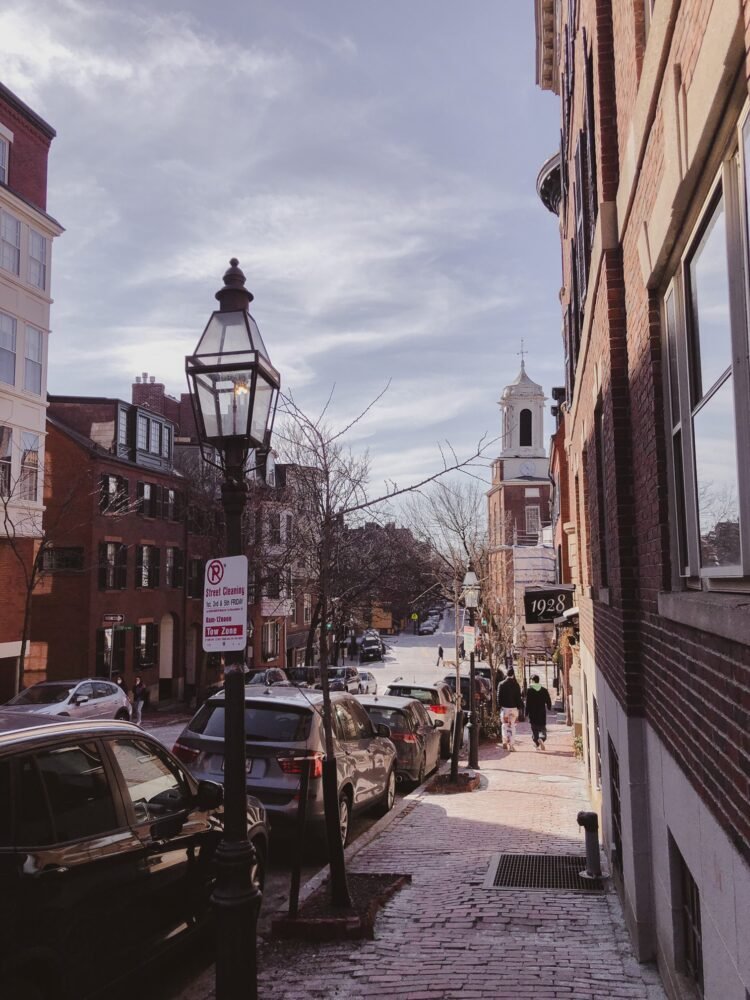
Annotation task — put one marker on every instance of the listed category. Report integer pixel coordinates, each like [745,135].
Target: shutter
[118,650]
[103,492]
[123,487]
[139,498]
[99,668]
[102,566]
[156,500]
[177,515]
[139,565]
[178,567]
[155,566]
[121,572]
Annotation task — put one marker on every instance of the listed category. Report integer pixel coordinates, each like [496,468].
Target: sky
[371,164]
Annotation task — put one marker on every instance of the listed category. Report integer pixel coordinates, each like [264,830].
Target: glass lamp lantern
[233,385]
[471,589]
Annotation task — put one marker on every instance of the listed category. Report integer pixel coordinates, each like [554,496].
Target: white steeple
[522,405]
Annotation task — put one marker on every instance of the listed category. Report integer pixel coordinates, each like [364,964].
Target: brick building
[26,234]
[651,190]
[518,516]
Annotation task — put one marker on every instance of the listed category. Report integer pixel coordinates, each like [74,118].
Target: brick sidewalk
[445,936]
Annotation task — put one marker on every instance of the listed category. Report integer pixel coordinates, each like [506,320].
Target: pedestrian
[120,683]
[537,703]
[509,702]
[461,652]
[139,699]
[440,656]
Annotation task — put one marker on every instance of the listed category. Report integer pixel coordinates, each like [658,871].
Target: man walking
[139,698]
[440,656]
[509,701]
[537,703]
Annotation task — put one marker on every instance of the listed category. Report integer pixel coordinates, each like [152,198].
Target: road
[409,657]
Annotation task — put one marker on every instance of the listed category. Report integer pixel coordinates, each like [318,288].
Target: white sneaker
[541,745]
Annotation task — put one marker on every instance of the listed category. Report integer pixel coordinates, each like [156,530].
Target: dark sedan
[107,850]
[415,735]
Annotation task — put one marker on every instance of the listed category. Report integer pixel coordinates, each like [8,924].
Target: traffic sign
[414,616]
[113,619]
[225,605]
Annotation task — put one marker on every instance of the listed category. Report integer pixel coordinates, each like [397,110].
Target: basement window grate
[542,872]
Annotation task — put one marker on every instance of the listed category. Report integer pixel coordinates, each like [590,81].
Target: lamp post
[233,389]
[471,602]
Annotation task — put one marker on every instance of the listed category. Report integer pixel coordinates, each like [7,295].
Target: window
[142,432]
[79,796]
[113,494]
[705,331]
[270,640]
[362,724]
[274,529]
[344,724]
[60,559]
[154,442]
[113,566]
[143,499]
[32,379]
[307,609]
[37,259]
[273,586]
[525,429]
[689,943]
[6,441]
[147,558]
[29,481]
[155,786]
[10,243]
[4,157]
[166,441]
[145,642]
[533,522]
[110,653]
[173,568]
[169,504]
[601,496]
[196,571]
[7,349]
[122,426]
[289,529]
[615,811]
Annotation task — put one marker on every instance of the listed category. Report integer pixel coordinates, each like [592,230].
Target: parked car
[304,676]
[368,683]
[426,628]
[107,851]
[437,699]
[414,732]
[284,728]
[268,677]
[482,688]
[89,698]
[371,648]
[486,672]
[342,679]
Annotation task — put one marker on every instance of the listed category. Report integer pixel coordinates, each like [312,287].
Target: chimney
[138,380]
[152,379]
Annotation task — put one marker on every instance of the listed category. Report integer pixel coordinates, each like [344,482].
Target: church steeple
[522,405]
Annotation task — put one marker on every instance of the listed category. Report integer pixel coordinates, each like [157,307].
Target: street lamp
[233,389]
[471,602]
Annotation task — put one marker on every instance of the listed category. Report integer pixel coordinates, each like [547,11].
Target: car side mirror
[382,730]
[80,699]
[210,795]
[437,723]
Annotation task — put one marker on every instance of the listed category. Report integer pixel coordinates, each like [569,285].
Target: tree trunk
[310,645]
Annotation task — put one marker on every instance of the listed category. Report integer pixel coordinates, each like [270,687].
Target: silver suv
[437,699]
[89,698]
[284,727]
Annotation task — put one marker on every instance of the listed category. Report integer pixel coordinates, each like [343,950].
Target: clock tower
[518,504]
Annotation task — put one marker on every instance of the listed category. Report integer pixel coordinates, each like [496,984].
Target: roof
[386,700]
[21,726]
[23,109]
[96,449]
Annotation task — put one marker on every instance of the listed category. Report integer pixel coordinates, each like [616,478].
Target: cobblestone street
[445,936]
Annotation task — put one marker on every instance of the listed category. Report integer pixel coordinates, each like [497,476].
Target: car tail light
[293,765]
[405,737]
[439,709]
[184,753]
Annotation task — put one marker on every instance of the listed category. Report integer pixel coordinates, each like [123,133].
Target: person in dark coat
[537,703]
[139,699]
[440,656]
[509,702]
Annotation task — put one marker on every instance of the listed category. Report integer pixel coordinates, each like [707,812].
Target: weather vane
[522,353]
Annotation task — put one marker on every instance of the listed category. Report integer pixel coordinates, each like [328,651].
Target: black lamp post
[234,389]
[471,602]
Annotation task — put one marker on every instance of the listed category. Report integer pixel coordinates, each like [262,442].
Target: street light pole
[474,731]
[233,389]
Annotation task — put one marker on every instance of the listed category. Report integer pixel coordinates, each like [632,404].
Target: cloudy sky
[371,164]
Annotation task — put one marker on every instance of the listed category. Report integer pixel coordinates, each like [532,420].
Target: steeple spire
[523,354]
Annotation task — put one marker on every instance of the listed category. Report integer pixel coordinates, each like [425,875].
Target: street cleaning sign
[469,639]
[225,605]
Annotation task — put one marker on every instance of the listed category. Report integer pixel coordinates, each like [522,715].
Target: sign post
[225,605]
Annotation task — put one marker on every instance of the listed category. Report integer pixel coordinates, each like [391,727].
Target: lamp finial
[234,296]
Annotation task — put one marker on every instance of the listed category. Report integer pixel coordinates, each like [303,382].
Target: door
[79,863]
[368,744]
[87,710]
[177,837]
[106,700]
[356,760]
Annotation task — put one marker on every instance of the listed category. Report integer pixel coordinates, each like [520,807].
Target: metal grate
[541,871]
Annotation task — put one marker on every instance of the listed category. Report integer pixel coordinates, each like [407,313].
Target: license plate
[249,764]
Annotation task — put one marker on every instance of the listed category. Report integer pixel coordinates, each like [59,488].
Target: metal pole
[304,789]
[474,731]
[236,896]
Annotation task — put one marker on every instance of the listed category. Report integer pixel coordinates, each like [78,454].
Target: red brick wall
[27,166]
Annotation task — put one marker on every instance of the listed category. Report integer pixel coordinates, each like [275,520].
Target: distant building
[26,235]
[518,516]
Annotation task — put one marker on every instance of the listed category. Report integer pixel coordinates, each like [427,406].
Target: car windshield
[303,674]
[426,695]
[340,672]
[43,694]
[267,722]
[258,678]
[394,718]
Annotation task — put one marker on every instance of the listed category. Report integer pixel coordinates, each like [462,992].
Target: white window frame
[687,570]
[536,511]
[10,243]
[270,641]
[6,461]
[34,365]
[29,468]
[8,335]
[4,159]
[307,609]
[37,264]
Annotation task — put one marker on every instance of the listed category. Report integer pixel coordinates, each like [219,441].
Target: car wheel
[123,715]
[389,796]
[344,818]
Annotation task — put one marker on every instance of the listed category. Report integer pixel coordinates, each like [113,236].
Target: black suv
[106,853]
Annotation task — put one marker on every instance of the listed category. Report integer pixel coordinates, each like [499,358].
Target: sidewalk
[445,936]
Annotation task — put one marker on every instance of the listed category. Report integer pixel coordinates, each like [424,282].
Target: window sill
[725,615]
